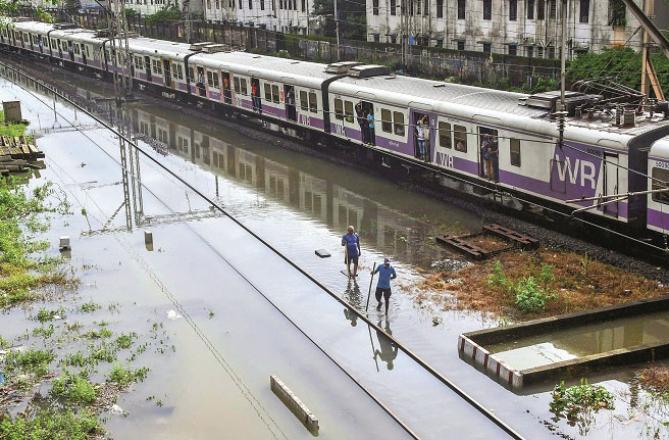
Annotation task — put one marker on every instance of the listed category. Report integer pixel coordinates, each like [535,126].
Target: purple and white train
[605,151]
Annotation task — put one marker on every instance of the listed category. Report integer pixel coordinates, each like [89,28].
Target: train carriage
[498,139]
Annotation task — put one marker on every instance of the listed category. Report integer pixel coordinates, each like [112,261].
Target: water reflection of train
[318,197]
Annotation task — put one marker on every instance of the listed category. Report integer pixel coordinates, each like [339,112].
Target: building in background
[149,7]
[516,27]
[290,16]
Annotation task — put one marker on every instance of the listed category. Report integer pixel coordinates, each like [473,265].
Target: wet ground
[298,204]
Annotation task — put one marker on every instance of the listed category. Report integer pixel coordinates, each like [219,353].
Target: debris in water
[172,315]
[436,321]
[116,410]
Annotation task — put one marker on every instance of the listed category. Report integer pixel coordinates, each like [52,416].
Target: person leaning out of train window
[370,122]
[362,121]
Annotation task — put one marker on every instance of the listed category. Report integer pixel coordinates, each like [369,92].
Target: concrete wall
[295,16]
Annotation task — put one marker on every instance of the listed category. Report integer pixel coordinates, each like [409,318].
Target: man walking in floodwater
[386,273]
[352,242]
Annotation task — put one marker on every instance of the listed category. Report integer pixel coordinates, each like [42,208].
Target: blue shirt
[352,242]
[386,273]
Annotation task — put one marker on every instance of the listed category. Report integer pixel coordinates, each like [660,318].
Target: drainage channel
[419,364]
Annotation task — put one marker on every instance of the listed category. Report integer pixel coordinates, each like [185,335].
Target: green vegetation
[530,293]
[73,389]
[618,64]
[89,307]
[48,424]
[45,315]
[10,129]
[102,333]
[31,361]
[570,402]
[45,332]
[168,13]
[125,341]
[125,376]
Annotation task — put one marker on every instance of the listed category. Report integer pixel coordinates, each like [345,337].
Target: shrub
[569,402]
[73,389]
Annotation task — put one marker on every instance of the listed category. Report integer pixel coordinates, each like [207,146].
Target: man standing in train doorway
[352,242]
[386,273]
[362,121]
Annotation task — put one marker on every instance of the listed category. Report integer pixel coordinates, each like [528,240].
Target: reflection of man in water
[387,349]
[354,297]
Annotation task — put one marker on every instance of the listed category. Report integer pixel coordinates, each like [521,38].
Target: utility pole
[562,108]
[647,70]
[336,15]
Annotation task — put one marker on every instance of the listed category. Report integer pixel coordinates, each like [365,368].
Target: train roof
[660,149]
[151,46]
[33,26]
[285,70]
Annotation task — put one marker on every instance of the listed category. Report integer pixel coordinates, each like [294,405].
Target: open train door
[610,184]
[168,74]
[423,126]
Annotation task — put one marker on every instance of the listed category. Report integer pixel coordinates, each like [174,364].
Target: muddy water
[300,204]
[543,349]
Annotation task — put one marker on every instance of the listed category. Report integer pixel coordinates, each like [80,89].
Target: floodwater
[575,342]
[299,204]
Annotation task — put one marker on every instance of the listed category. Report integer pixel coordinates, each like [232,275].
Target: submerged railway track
[485,414]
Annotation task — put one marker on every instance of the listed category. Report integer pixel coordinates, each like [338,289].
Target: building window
[393,39]
[461,9]
[513,10]
[540,52]
[584,11]
[304,5]
[250,4]
[426,8]
[513,49]
[377,38]
[399,123]
[440,8]
[375,7]
[617,13]
[487,9]
[208,4]
[460,138]
[660,181]
[445,135]
[551,52]
[541,7]
[530,51]
[393,7]
[439,43]
[514,152]
[530,9]
[461,45]
[486,48]
[262,5]
[552,9]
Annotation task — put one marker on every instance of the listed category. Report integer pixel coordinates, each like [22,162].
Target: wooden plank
[511,235]
[461,245]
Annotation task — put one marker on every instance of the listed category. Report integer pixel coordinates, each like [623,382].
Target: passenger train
[608,148]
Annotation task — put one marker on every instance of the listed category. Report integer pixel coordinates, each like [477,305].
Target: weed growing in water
[530,293]
[47,422]
[30,361]
[45,315]
[73,389]
[75,360]
[125,341]
[89,307]
[125,376]
[45,332]
[570,402]
[102,333]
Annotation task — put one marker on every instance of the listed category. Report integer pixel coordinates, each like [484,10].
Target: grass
[125,376]
[44,315]
[73,389]
[89,307]
[49,424]
[102,333]
[31,361]
[656,381]
[11,129]
[125,341]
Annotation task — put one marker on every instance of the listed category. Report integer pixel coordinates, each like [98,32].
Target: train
[612,160]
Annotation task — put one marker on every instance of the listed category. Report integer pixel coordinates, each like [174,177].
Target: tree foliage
[168,13]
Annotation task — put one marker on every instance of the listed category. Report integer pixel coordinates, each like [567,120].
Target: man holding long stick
[386,273]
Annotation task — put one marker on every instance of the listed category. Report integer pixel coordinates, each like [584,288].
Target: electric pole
[336,17]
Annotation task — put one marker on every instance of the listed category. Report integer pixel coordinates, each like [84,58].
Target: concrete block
[12,110]
[322,253]
[64,243]
[148,237]
[294,404]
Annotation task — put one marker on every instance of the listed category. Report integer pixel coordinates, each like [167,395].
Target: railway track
[448,386]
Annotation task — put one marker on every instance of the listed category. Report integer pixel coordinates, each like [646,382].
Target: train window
[212,79]
[339,109]
[178,70]
[245,90]
[386,121]
[660,181]
[268,93]
[399,123]
[275,94]
[77,48]
[313,102]
[235,81]
[348,111]
[514,152]
[138,63]
[460,138]
[445,140]
[304,103]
